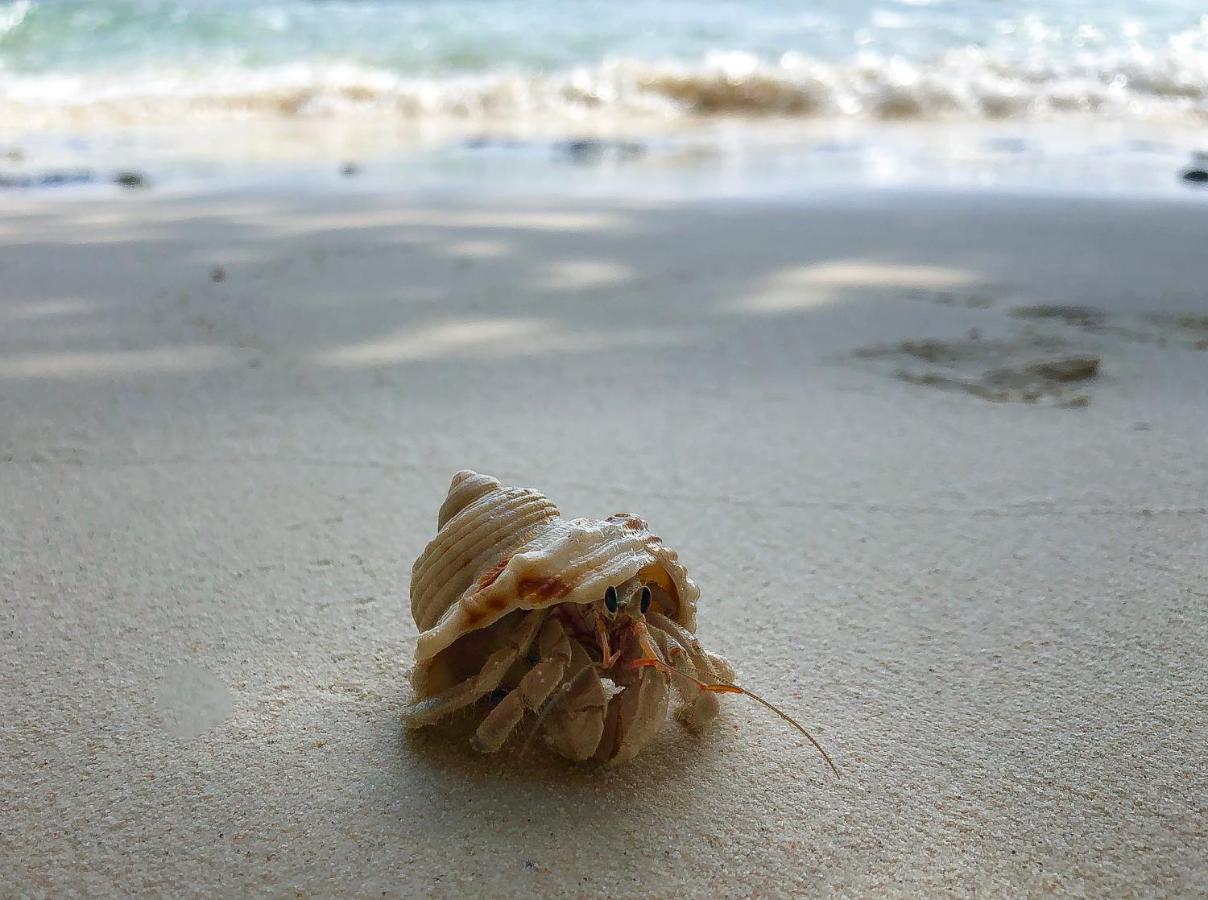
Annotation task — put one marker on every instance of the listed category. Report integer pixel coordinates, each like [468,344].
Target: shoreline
[737,158]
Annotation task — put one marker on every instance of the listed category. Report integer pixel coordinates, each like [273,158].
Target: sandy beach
[937,462]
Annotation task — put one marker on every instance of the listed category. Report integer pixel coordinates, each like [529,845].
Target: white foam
[1130,84]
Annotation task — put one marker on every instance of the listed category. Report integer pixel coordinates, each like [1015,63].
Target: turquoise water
[470,59]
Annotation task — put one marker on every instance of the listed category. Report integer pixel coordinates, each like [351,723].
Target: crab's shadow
[525,776]
[446,748]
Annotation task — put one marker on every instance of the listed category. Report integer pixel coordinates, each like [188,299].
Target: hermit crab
[589,624]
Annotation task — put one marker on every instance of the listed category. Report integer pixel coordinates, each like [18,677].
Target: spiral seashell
[501,549]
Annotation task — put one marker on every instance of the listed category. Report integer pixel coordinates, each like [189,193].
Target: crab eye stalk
[610,600]
[646,597]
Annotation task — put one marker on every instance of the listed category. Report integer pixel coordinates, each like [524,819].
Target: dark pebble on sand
[217,274]
[1196,176]
[130,179]
[349,169]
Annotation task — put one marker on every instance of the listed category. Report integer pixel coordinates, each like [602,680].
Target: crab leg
[697,708]
[576,716]
[706,661]
[532,690]
[709,666]
[430,709]
[635,714]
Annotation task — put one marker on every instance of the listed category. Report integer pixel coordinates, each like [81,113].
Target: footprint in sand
[1188,330]
[1080,316]
[1031,369]
[1034,365]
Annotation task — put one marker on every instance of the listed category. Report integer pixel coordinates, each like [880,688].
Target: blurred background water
[515,67]
[529,57]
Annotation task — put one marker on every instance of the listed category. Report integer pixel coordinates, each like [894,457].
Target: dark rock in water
[1196,176]
[349,169]
[130,179]
[583,150]
[591,150]
[217,274]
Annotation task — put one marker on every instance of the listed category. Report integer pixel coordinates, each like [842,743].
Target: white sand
[993,614]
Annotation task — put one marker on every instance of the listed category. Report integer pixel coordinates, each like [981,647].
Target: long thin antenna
[809,737]
[724,688]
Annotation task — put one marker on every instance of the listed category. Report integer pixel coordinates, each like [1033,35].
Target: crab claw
[607,656]
[634,716]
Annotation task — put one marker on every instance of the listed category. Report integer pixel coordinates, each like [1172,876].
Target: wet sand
[937,463]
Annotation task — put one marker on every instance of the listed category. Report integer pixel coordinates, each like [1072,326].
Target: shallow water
[138,60]
[716,98]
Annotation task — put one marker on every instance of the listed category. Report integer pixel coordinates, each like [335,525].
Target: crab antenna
[809,737]
[724,688]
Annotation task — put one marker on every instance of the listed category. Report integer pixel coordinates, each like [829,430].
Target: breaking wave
[965,84]
[163,60]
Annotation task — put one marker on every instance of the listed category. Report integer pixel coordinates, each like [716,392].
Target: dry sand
[966,544]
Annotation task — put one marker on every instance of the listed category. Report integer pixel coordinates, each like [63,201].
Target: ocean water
[72,62]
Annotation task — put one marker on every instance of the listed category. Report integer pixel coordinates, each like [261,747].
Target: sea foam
[962,84]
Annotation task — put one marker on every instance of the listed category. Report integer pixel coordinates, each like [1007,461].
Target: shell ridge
[475,518]
[501,549]
[493,525]
[461,564]
[465,487]
[480,609]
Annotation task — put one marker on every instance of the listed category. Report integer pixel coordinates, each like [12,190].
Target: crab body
[589,622]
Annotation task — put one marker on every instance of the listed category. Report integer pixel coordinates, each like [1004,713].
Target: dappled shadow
[321,285]
[352,296]
[403,320]
[235,471]
[676,778]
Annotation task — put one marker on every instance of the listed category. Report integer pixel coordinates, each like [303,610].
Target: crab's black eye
[610,599]
[646,595]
